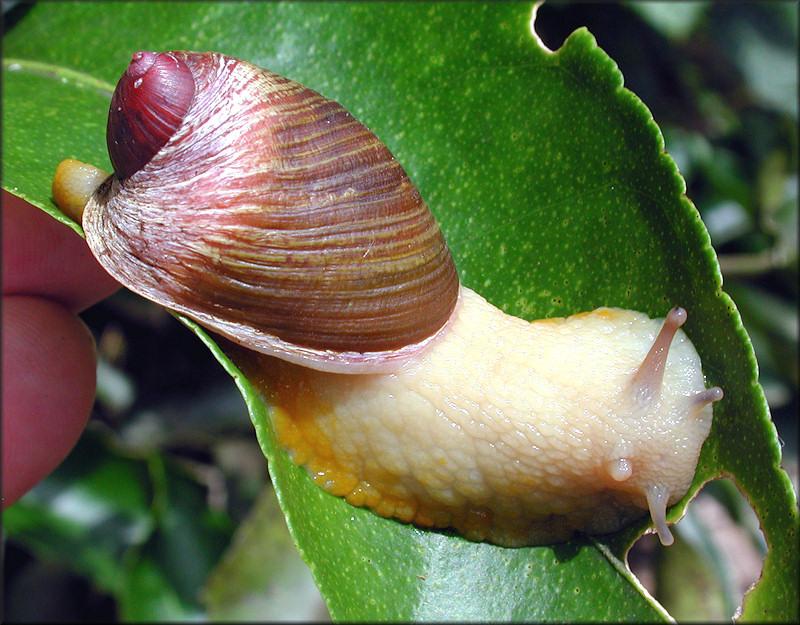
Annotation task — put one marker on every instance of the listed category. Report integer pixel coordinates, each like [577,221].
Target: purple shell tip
[140,62]
[148,106]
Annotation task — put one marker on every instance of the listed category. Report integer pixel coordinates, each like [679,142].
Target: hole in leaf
[717,555]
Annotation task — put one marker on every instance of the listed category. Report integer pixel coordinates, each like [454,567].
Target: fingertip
[48,369]
[43,257]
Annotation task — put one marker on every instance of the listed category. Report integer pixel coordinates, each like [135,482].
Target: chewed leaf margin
[309,510]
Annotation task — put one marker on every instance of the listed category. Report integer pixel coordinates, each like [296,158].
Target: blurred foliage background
[143,519]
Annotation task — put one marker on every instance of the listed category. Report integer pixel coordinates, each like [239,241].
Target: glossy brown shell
[275,218]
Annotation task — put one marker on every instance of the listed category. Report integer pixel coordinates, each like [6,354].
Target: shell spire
[148,106]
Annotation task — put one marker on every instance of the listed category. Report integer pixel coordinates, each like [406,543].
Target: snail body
[268,214]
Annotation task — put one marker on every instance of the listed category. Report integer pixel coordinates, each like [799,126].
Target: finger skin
[48,368]
[48,355]
[45,258]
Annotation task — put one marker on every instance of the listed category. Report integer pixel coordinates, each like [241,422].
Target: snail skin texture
[268,214]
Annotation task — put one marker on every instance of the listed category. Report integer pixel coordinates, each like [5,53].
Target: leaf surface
[551,185]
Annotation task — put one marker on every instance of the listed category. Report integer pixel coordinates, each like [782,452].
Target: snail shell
[268,214]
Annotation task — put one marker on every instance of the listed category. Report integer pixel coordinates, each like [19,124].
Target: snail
[268,214]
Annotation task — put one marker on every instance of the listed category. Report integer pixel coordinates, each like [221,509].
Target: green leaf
[550,182]
[87,513]
[129,523]
[262,577]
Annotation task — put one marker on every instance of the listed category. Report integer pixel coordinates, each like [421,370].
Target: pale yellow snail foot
[514,432]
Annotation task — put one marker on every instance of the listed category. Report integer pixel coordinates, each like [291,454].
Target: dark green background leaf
[142,543]
[551,185]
